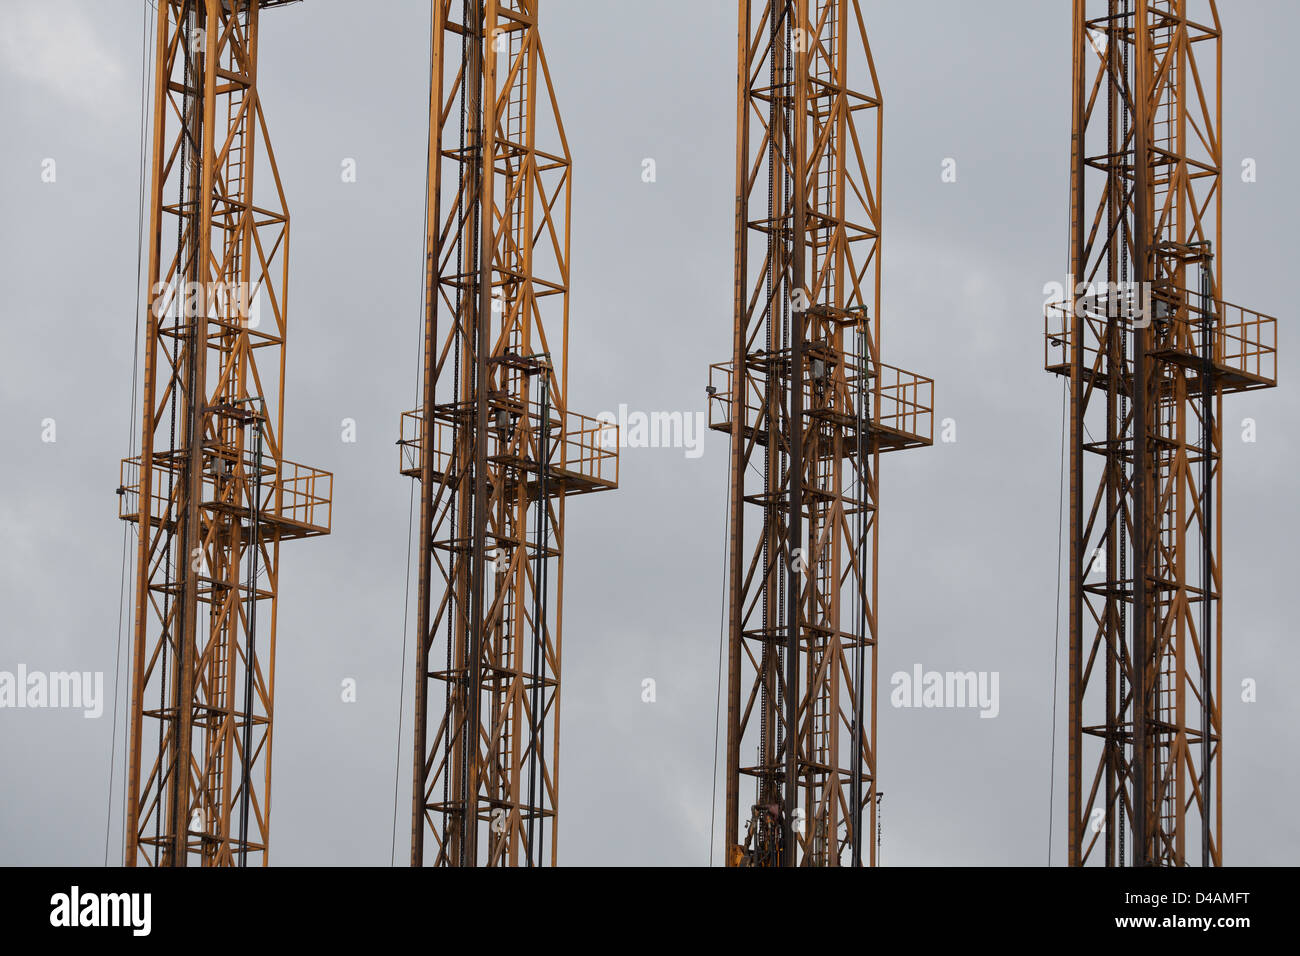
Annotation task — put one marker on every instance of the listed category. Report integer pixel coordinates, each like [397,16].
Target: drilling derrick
[211,494]
[1148,348]
[809,408]
[494,445]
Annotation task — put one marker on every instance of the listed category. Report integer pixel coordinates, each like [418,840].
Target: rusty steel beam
[211,494]
[1149,348]
[494,445]
[809,408]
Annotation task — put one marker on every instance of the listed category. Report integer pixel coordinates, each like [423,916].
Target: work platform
[296,499]
[899,410]
[1244,342]
[582,457]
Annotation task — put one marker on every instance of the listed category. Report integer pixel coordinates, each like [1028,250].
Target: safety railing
[1246,343]
[898,401]
[905,403]
[303,495]
[719,393]
[1244,349]
[590,448]
[294,494]
[585,448]
[1056,336]
[411,445]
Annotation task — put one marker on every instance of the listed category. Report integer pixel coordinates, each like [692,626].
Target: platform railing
[1244,341]
[586,447]
[295,494]
[898,401]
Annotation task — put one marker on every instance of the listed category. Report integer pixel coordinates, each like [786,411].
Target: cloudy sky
[968,528]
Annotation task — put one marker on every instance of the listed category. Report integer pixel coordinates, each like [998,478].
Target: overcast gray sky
[968,529]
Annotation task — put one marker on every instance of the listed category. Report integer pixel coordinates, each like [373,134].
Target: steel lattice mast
[211,493]
[494,445]
[1149,349]
[810,408]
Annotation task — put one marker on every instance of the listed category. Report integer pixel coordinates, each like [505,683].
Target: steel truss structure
[211,494]
[1149,349]
[494,445]
[809,407]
